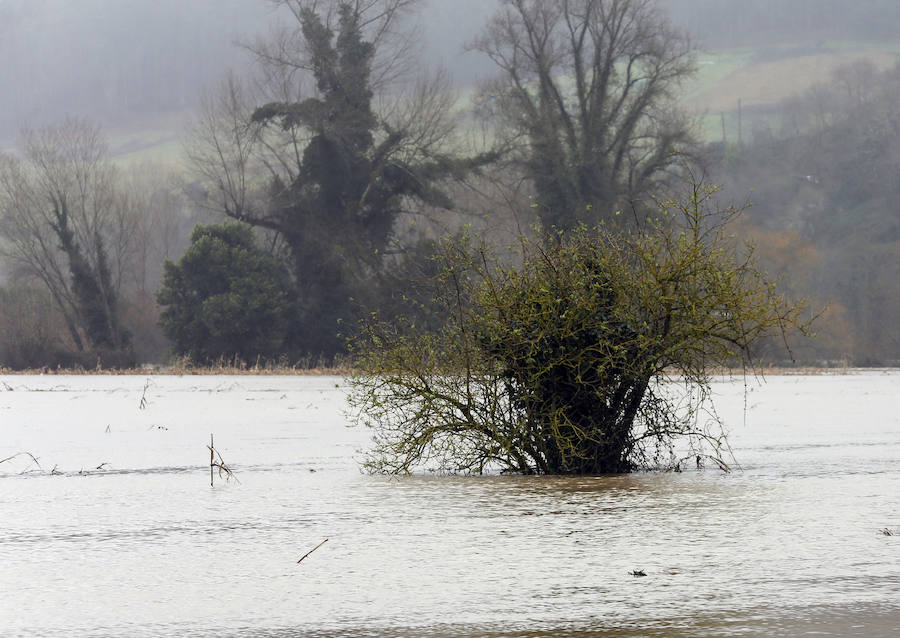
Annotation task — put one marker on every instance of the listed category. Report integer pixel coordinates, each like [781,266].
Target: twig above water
[216,462]
[28,454]
[143,403]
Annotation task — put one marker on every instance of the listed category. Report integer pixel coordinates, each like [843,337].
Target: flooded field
[117,532]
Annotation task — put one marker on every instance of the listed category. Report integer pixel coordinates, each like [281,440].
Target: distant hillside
[759,77]
[138,68]
[719,24]
[762,78]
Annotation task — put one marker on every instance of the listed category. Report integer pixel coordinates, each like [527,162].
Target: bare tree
[586,99]
[163,214]
[328,146]
[66,224]
[381,23]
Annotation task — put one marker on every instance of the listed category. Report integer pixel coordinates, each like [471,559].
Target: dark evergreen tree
[226,298]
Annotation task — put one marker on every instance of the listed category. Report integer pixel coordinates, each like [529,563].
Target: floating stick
[28,454]
[312,550]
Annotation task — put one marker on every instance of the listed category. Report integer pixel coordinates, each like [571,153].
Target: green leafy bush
[569,363]
[226,298]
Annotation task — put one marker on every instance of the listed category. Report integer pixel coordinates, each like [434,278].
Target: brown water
[791,545]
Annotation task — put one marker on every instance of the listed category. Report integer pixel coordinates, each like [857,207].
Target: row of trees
[552,360]
[348,160]
[826,212]
[340,143]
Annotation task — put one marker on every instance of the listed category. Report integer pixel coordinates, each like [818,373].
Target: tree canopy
[225,298]
[586,100]
[321,166]
[570,363]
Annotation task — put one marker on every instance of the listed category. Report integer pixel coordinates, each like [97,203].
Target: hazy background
[770,99]
[135,62]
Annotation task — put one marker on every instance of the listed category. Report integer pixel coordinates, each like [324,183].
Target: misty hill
[133,62]
[114,62]
[721,24]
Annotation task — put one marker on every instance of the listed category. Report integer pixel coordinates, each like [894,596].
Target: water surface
[790,545]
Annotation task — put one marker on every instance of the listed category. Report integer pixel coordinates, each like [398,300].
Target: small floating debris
[888,532]
[638,572]
[100,468]
[312,550]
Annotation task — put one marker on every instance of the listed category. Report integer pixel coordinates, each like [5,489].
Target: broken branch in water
[217,462]
[143,404]
[312,550]
[28,454]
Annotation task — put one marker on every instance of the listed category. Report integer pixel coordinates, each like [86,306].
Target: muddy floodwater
[118,532]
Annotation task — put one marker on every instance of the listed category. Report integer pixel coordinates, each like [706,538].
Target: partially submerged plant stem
[17,454]
[216,462]
[28,454]
[143,403]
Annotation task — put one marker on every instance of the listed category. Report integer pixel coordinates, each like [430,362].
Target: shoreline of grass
[344,369]
[335,368]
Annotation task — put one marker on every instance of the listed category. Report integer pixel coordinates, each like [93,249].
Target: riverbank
[334,368]
[345,368]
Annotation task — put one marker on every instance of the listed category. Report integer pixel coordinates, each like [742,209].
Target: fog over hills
[125,61]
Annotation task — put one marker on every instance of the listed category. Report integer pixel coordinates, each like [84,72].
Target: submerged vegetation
[571,362]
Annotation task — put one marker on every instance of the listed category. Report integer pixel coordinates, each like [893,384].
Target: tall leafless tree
[586,100]
[66,223]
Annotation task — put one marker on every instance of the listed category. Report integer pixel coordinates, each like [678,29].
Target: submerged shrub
[566,363]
